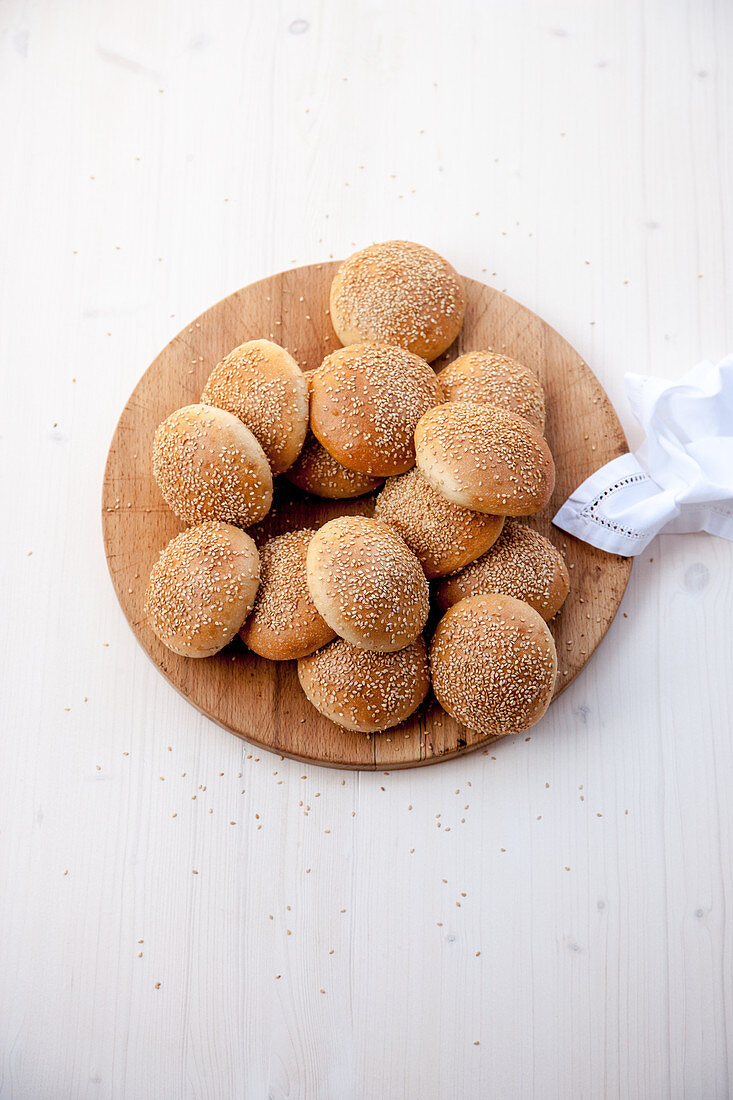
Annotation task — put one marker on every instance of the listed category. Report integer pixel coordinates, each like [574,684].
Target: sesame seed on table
[588,957]
[266,706]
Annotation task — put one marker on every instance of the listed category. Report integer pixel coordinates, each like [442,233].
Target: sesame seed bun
[521,563]
[489,378]
[261,384]
[493,664]
[202,588]
[366,401]
[442,536]
[485,458]
[400,293]
[316,471]
[284,623]
[366,583]
[362,690]
[208,465]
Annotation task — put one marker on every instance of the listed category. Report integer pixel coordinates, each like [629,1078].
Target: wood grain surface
[160,154]
[261,700]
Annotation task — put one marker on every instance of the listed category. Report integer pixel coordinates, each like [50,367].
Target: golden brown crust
[442,536]
[366,401]
[398,292]
[493,664]
[316,471]
[202,588]
[362,690]
[366,583]
[485,458]
[261,384]
[284,623]
[490,378]
[521,563]
[208,465]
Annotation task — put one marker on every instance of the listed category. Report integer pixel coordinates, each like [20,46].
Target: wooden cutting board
[261,700]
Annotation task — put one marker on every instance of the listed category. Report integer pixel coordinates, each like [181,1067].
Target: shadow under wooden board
[261,700]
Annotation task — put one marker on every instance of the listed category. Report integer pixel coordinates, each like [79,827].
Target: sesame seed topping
[261,384]
[284,623]
[208,466]
[363,690]
[485,458]
[202,588]
[493,664]
[398,292]
[366,401]
[367,584]
[521,563]
[443,536]
[490,378]
[316,471]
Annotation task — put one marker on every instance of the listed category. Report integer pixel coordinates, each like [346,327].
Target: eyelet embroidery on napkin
[589,512]
[687,462]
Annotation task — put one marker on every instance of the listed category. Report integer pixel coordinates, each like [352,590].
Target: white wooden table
[174,921]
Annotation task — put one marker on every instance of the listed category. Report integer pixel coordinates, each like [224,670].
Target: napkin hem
[580,515]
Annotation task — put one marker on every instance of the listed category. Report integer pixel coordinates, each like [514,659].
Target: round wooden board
[261,700]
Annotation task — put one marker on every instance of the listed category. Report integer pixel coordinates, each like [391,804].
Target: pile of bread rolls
[456,457]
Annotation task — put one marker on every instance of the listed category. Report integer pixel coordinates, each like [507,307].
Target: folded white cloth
[680,479]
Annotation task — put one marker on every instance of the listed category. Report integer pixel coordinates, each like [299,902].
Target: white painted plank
[581,153]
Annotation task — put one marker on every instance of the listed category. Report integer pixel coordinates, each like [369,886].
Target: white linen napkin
[680,479]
